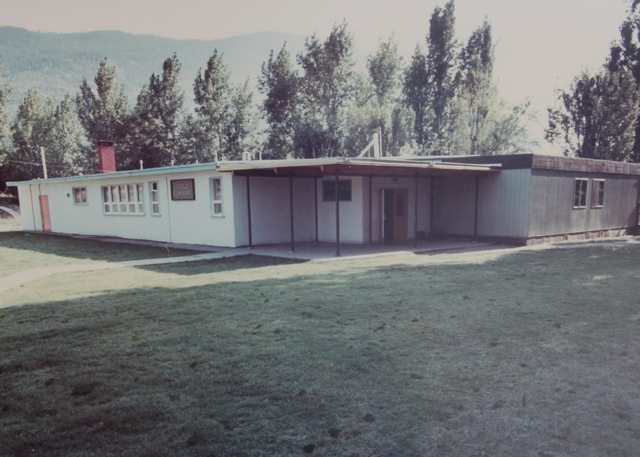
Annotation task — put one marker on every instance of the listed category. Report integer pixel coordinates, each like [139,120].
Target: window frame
[344,193]
[123,199]
[216,196]
[597,193]
[154,198]
[579,194]
[84,200]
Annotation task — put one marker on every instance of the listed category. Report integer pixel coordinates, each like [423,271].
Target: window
[580,193]
[123,199]
[329,190]
[216,197]
[154,198]
[79,195]
[597,193]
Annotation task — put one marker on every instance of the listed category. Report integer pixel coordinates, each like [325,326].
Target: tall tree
[441,60]
[384,70]
[476,92]
[242,123]
[597,117]
[67,148]
[417,96]
[30,131]
[325,90]
[278,82]
[155,129]
[212,91]
[103,111]
[5,92]
[625,55]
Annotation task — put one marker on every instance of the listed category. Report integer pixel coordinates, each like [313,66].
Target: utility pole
[44,163]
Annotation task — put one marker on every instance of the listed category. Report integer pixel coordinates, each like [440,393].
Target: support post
[370,210]
[337,214]
[315,203]
[415,215]
[293,247]
[477,204]
[249,211]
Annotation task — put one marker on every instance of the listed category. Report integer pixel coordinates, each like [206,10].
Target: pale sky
[540,44]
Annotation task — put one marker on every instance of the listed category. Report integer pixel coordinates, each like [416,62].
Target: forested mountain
[56,63]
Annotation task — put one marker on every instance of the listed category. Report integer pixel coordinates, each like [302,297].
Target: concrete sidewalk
[24,277]
[312,251]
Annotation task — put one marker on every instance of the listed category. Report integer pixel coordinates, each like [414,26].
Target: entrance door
[394,209]
[44,212]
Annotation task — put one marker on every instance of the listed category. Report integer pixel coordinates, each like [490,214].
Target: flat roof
[346,166]
[354,166]
[212,166]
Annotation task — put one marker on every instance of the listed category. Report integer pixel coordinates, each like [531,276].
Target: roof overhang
[344,166]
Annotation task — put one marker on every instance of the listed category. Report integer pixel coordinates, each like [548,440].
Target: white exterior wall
[352,214]
[271,210]
[190,222]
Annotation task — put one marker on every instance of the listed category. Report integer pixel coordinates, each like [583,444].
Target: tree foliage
[5,92]
[441,64]
[154,130]
[29,132]
[103,112]
[278,82]
[443,101]
[325,91]
[597,117]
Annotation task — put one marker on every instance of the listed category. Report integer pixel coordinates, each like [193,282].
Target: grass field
[506,353]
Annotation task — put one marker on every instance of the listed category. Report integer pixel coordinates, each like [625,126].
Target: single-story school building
[518,199]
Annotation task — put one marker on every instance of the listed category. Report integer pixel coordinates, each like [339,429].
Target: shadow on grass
[403,360]
[84,249]
[240,262]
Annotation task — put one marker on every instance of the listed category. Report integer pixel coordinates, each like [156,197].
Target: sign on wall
[183,189]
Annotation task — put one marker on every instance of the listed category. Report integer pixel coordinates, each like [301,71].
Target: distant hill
[56,63]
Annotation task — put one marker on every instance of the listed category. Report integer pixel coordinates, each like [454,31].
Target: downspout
[166,180]
[33,213]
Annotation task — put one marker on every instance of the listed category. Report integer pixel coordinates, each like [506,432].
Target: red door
[44,212]
[400,206]
[395,219]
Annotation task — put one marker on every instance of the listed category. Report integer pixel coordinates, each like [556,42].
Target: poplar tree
[105,110]
[278,82]
[384,70]
[29,132]
[5,92]
[212,96]
[155,128]
[476,92]
[66,146]
[326,87]
[441,61]
[239,129]
[417,96]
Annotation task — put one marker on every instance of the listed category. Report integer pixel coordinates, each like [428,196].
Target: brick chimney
[107,156]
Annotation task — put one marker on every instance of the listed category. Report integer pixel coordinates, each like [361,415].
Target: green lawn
[523,353]
[21,251]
